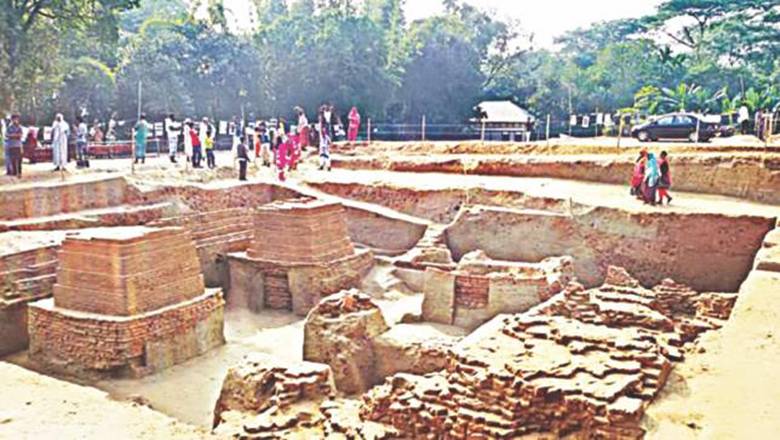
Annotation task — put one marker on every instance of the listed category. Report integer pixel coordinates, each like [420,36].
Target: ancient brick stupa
[301,252]
[128,301]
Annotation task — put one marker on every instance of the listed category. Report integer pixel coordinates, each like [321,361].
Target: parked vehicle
[690,126]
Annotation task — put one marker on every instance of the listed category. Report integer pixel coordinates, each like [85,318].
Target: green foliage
[78,56]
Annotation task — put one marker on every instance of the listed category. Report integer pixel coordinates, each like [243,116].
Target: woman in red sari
[354,124]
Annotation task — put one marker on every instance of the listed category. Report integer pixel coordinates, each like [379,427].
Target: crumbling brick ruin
[127,301]
[480,288]
[300,253]
[586,362]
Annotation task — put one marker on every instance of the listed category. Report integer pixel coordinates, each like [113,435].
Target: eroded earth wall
[709,252]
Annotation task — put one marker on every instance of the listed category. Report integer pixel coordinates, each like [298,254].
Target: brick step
[36,284]
[224,230]
[239,236]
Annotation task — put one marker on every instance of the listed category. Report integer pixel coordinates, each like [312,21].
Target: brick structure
[127,301]
[584,364]
[300,253]
[306,231]
[480,288]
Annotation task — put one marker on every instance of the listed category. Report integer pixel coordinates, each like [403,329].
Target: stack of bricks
[128,299]
[586,362]
[216,233]
[127,271]
[471,291]
[27,275]
[300,252]
[307,231]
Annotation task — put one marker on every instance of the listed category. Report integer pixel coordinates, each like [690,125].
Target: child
[282,154]
[665,182]
[210,160]
[242,155]
[324,148]
[196,147]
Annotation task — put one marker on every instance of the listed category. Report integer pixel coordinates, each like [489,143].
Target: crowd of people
[652,178]
[271,143]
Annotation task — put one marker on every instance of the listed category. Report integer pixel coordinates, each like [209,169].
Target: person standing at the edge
[141,135]
[744,119]
[13,147]
[354,124]
[172,133]
[60,131]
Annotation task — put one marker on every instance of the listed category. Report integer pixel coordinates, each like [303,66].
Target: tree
[25,20]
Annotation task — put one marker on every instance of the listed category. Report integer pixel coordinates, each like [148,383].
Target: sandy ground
[38,407]
[188,392]
[730,390]
[588,193]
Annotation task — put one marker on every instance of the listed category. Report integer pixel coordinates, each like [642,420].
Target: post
[368,133]
[620,129]
[483,131]
[423,128]
[547,131]
[138,118]
[698,126]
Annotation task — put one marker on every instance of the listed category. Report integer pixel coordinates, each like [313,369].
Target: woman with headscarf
[652,176]
[141,135]
[59,142]
[639,174]
[354,124]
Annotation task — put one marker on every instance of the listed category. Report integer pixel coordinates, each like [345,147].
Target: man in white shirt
[172,133]
[744,119]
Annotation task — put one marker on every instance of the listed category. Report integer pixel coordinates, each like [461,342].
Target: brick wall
[301,231]
[471,291]
[97,343]
[124,276]
[46,199]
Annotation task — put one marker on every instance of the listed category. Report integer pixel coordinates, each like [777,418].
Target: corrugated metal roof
[504,112]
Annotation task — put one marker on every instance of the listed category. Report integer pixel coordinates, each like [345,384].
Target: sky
[546,19]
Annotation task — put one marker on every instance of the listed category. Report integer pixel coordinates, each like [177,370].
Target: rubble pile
[339,332]
[586,362]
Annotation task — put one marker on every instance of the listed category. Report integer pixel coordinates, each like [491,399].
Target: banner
[573,120]
[599,118]
[585,121]
[47,133]
[223,127]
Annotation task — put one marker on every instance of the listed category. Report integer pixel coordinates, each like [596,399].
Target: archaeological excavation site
[417,291]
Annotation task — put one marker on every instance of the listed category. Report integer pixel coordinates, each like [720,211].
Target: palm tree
[689,97]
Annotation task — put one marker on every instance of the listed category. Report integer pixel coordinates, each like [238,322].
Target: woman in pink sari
[354,124]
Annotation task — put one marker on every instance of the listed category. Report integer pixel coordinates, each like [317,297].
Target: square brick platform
[128,301]
[300,253]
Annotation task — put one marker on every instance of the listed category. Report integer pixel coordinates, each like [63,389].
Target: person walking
[665,181]
[141,136]
[13,146]
[652,175]
[354,124]
[303,128]
[172,133]
[744,119]
[639,174]
[81,143]
[60,132]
